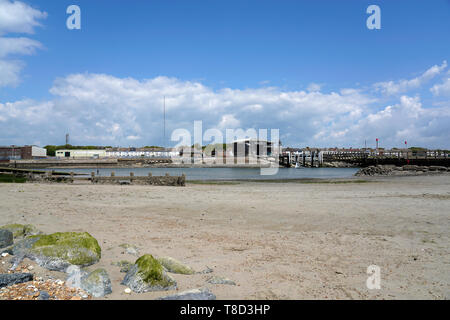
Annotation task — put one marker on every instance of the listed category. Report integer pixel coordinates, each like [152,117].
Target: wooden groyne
[166,180]
[71,177]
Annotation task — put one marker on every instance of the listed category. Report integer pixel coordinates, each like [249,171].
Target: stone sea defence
[23,248]
[406,170]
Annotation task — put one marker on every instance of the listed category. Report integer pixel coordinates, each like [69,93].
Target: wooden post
[167,174]
[150,174]
[113,174]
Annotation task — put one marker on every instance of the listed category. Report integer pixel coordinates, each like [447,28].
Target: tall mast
[164,116]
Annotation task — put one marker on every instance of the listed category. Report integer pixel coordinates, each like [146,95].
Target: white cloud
[228,121]
[9,72]
[441,89]
[16,17]
[401,86]
[22,46]
[408,120]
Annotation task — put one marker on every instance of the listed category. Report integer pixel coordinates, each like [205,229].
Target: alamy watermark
[374,279]
[374,20]
[259,148]
[74,20]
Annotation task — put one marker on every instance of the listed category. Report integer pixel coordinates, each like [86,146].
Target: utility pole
[164,122]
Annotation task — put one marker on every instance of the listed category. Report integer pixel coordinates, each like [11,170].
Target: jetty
[364,158]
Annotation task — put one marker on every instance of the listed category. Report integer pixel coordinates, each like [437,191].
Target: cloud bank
[107,110]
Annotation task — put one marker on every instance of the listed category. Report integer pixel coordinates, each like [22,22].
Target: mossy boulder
[175,266]
[21,230]
[59,250]
[147,274]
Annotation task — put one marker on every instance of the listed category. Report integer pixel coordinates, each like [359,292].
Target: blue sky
[311,68]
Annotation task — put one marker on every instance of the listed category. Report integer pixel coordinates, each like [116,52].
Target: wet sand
[275,240]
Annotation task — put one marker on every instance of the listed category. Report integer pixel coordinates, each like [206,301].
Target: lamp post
[406,144]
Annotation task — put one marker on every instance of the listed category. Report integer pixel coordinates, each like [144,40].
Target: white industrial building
[121,153]
[77,153]
[141,154]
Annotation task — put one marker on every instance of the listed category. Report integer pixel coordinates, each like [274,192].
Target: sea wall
[392,170]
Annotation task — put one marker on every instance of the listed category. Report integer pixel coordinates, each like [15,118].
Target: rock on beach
[147,274]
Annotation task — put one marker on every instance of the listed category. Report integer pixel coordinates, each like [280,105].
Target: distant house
[22,153]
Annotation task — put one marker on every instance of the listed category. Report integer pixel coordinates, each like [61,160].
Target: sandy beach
[275,240]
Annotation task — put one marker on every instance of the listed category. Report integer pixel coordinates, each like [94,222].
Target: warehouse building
[22,153]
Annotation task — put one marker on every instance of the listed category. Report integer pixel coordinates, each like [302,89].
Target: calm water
[222,173]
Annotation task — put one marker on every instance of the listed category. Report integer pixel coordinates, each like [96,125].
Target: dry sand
[275,240]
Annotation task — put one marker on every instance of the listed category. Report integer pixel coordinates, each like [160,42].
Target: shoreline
[274,240]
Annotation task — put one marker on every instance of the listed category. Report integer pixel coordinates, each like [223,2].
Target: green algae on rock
[147,274]
[175,266]
[59,250]
[21,230]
